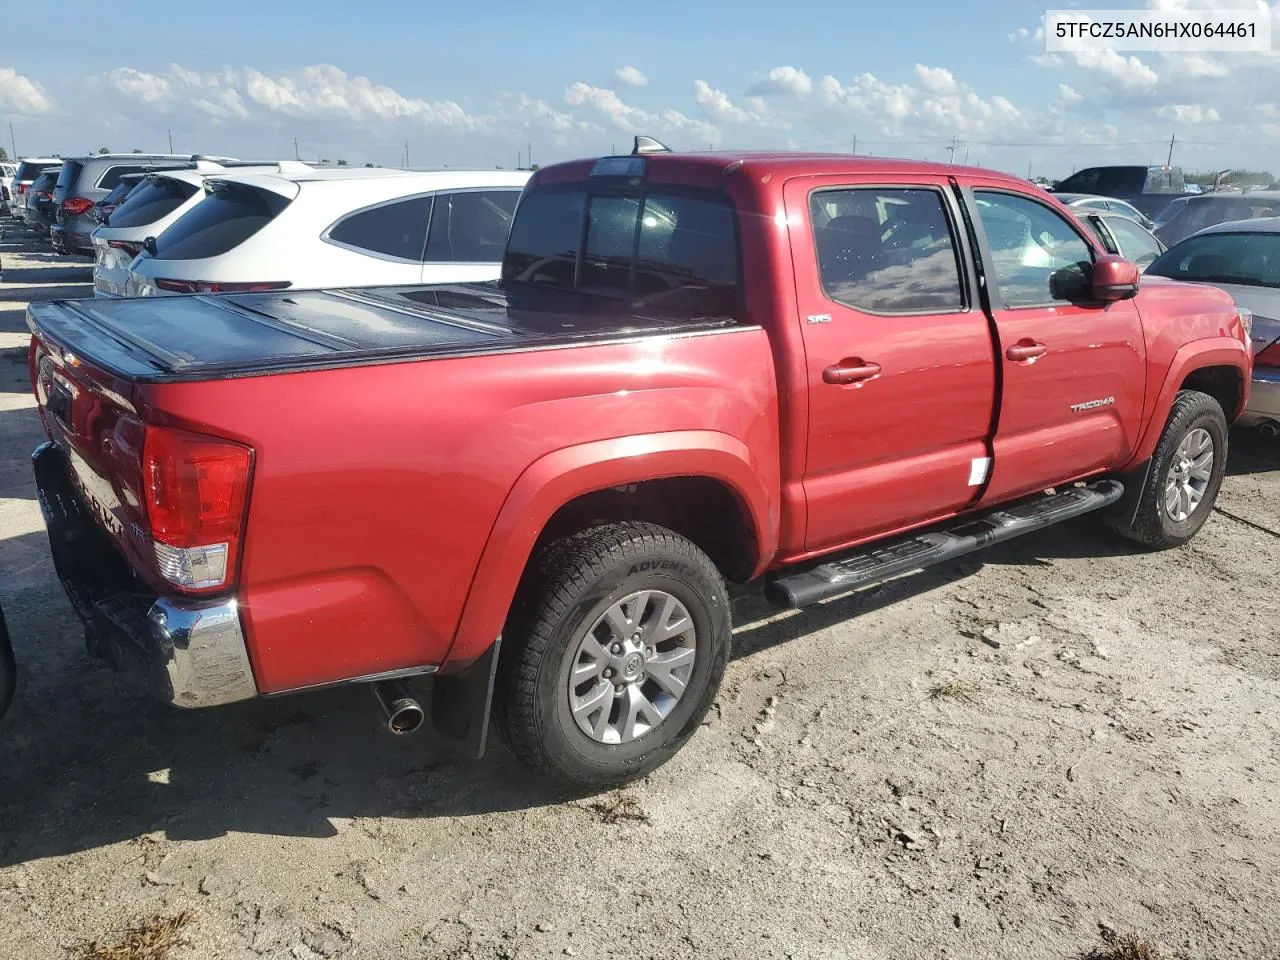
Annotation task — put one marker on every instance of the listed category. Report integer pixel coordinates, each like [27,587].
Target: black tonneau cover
[156,339]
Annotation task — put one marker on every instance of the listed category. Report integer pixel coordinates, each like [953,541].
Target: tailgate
[90,414]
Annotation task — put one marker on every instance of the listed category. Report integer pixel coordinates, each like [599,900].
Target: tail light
[19,188]
[203,286]
[197,491]
[76,206]
[128,246]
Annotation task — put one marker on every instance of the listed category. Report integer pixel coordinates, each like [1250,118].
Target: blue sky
[473,83]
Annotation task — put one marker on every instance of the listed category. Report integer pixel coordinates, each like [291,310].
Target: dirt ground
[877,779]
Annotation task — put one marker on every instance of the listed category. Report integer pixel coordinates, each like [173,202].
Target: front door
[1073,376]
[899,357]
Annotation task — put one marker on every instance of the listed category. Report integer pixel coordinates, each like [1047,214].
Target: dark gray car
[83,181]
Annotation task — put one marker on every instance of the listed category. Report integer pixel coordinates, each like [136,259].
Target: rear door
[901,378]
[468,235]
[1072,373]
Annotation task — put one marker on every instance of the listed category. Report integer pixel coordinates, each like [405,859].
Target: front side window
[396,230]
[886,250]
[1037,256]
[471,227]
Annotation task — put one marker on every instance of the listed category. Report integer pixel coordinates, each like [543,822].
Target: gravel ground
[878,779]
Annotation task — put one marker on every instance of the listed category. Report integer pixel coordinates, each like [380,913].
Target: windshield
[1252,259]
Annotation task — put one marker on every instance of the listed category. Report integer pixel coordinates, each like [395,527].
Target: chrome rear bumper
[185,652]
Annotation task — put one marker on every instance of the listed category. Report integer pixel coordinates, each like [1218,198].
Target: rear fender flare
[1213,352]
[560,477]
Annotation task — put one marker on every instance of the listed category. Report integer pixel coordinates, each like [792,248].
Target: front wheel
[1185,474]
[613,654]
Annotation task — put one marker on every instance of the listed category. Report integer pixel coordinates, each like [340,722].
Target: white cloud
[325,90]
[1129,72]
[631,76]
[222,105]
[630,119]
[1189,113]
[146,87]
[785,81]
[1068,95]
[718,104]
[936,79]
[22,95]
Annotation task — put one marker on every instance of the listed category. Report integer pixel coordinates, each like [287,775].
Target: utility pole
[1028,169]
[855,144]
[518,156]
[170,141]
[13,142]
[295,149]
[951,151]
[528,154]
[406,153]
[1171,140]
[966,156]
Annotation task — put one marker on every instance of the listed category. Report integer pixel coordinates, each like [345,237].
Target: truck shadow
[87,761]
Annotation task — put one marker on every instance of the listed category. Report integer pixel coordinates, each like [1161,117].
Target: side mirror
[1114,278]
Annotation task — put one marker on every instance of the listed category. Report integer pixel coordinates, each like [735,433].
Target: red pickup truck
[815,371]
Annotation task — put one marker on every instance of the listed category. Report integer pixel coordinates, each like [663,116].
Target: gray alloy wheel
[1190,471]
[632,667]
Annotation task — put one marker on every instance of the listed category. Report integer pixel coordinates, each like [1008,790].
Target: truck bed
[166,339]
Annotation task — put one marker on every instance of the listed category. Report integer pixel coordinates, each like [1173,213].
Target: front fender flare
[563,475]
[1212,352]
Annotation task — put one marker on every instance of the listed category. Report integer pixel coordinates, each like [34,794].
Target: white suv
[333,227]
[158,201]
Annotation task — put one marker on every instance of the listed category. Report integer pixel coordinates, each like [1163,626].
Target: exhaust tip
[404,713]
[1270,429]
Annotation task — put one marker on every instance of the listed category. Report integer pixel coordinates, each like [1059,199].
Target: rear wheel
[613,654]
[1185,474]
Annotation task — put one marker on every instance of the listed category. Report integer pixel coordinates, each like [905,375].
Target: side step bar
[883,561]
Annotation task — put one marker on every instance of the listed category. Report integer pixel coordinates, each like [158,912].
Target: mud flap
[461,702]
[1125,510]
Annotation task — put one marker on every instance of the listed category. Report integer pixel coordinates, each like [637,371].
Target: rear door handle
[852,370]
[1026,350]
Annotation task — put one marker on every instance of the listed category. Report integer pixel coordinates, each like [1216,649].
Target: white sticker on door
[978,468]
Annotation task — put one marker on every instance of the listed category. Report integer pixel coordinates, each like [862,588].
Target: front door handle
[1026,350]
[852,370]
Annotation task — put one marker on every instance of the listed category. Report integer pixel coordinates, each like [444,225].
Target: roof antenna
[648,145]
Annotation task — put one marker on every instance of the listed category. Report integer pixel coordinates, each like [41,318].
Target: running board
[892,558]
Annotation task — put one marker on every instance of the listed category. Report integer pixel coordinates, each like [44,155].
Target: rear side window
[113,174]
[220,222]
[886,251]
[471,227]
[396,229]
[154,198]
[677,251]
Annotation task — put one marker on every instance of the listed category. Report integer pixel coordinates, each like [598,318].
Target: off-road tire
[1151,523]
[569,586]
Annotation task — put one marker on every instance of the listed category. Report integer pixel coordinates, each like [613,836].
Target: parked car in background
[83,181]
[1195,213]
[7,171]
[1126,237]
[39,210]
[333,227]
[1147,188]
[160,200]
[23,177]
[694,369]
[1242,258]
[1081,203]
[103,208]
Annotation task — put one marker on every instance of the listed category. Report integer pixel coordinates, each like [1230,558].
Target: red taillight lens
[19,188]
[75,206]
[204,286]
[196,489]
[128,246]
